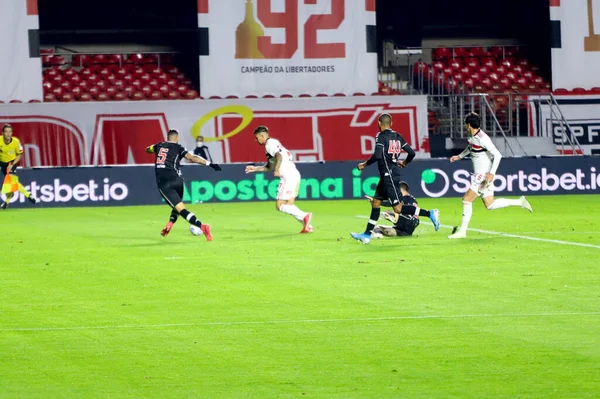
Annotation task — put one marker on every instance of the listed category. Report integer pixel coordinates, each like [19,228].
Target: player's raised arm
[460,156]
[263,168]
[199,160]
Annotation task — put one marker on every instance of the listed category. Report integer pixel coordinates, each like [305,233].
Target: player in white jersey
[486,159]
[280,161]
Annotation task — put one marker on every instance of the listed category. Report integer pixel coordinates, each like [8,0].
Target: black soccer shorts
[171,190]
[4,167]
[388,189]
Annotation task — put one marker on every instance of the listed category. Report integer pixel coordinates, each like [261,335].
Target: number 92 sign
[276,47]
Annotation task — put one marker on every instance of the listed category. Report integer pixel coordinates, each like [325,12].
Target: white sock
[294,211]
[466,216]
[503,203]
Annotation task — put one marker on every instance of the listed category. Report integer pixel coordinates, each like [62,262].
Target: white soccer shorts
[288,186]
[481,187]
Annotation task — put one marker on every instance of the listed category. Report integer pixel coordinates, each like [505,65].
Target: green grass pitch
[95,304]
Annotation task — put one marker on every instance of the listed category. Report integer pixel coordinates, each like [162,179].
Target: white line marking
[174,257]
[497,233]
[302,321]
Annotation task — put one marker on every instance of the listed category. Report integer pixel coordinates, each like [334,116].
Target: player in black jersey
[405,223]
[388,147]
[169,181]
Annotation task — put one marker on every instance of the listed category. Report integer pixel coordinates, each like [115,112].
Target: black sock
[372,220]
[411,210]
[173,217]
[191,218]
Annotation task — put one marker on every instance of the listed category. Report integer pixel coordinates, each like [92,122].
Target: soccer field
[95,303]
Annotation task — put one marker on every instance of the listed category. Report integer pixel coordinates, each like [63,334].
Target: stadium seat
[49,97]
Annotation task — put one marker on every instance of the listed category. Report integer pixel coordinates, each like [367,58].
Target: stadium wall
[135,185]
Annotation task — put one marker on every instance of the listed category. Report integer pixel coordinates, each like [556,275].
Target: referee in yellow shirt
[11,151]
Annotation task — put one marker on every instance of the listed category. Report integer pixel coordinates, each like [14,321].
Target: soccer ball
[195,230]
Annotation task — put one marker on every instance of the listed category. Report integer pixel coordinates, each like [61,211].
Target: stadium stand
[113,77]
[127,77]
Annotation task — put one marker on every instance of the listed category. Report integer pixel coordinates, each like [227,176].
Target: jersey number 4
[395,147]
[162,156]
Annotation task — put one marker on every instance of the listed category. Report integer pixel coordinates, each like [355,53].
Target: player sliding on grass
[405,223]
[169,181]
[486,159]
[388,146]
[279,160]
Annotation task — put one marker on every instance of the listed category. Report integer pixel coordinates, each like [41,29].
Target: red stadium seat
[440,53]
[80,60]
[489,62]
[147,90]
[164,89]
[34,101]
[135,59]
[66,85]
[93,79]
[86,97]
[579,90]
[99,59]
[138,95]
[67,97]
[94,91]
[173,95]
[501,70]
[103,97]
[111,91]
[191,94]
[119,84]
[120,96]
[49,97]
[77,92]
[156,95]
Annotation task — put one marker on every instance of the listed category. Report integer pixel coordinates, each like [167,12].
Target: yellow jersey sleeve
[18,146]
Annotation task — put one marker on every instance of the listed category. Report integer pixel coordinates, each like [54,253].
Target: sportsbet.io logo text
[437,183]
[90,191]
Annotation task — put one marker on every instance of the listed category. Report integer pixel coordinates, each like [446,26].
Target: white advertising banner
[582,113]
[277,47]
[313,129]
[20,73]
[575,43]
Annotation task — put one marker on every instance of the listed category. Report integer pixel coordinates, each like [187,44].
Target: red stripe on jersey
[554,3]
[370,5]
[476,147]
[202,6]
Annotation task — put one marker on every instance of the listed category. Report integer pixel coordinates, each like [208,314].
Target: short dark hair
[200,137]
[5,126]
[404,186]
[261,129]
[473,120]
[385,119]
[171,133]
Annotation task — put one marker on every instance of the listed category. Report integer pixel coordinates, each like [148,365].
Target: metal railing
[515,117]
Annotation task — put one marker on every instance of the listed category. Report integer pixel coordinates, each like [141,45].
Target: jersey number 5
[162,156]
[395,147]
